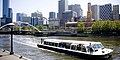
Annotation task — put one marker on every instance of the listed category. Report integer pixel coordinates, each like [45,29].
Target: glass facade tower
[5,8]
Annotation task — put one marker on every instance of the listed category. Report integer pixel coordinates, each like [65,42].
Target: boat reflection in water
[83,49]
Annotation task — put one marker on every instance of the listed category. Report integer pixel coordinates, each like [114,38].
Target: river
[26,45]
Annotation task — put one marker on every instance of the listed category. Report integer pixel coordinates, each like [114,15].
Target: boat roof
[74,42]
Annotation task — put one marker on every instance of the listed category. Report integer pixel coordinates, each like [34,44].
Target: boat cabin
[83,46]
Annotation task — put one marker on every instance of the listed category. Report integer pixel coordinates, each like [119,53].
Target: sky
[46,6]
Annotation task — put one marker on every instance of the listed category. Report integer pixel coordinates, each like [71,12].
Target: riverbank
[71,34]
[5,55]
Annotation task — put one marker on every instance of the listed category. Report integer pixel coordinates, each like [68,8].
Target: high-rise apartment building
[10,13]
[0,7]
[95,12]
[62,6]
[20,16]
[68,16]
[7,13]
[115,12]
[52,15]
[77,8]
[119,16]
[37,18]
[5,8]
[37,14]
[106,12]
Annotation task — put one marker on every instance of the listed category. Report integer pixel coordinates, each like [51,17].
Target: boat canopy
[71,41]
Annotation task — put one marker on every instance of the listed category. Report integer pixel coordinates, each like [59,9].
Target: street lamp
[11,26]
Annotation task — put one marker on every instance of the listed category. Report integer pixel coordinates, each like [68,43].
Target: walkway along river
[26,45]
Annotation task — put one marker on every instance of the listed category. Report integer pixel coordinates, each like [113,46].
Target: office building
[54,24]
[0,8]
[57,15]
[52,15]
[0,21]
[62,6]
[10,13]
[67,16]
[5,8]
[119,16]
[20,16]
[26,19]
[115,12]
[36,21]
[106,12]
[7,13]
[77,8]
[37,14]
[95,12]
[37,18]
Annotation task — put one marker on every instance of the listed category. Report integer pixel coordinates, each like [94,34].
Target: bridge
[18,24]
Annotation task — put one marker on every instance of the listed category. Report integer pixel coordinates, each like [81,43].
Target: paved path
[5,55]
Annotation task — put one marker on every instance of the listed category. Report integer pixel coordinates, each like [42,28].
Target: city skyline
[45,7]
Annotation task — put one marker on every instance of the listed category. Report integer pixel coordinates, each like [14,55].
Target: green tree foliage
[81,27]
[106,27]
[97,26]
[25,28]
[40,28]
[16,28]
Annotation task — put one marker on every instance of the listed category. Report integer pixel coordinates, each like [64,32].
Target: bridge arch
[19,23]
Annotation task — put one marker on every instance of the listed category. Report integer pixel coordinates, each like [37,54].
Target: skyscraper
[10,13]
[106,12]
[77,8]
[36,18]
[7,13]
[5,8]
[0,7]
[52,15]
[20,16]
[69,15]
[115,12]
[37,14]
[63,6]
[95,12]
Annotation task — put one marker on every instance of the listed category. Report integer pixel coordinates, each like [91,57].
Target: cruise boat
[84,49]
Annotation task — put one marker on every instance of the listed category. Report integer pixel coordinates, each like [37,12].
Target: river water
[26,45]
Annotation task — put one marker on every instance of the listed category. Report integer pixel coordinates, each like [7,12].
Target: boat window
[61,45]
[73,47]
[83,49]
[67,45]
[52,43]
[79,47]
[97,46]
[45,42]
[56,44]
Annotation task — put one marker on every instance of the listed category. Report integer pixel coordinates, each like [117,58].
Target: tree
[117,27]
[81,27]
[106,27]
[97,27]
[25,28]
[40,28]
